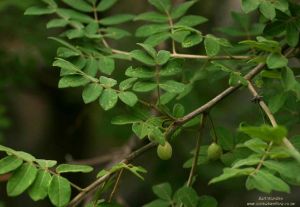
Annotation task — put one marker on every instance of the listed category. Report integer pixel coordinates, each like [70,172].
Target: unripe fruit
[214,151]
[164,152]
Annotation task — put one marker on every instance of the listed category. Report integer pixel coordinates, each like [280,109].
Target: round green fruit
[164,152]
[214,151]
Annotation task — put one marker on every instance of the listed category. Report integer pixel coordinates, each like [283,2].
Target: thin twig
[219,97]
[215,137]
[157,79]
[192,56]
[77,199]
[264,157]
[172,31]
[249,76]
[198,144]
[179,122]
[221,57]
[113,192]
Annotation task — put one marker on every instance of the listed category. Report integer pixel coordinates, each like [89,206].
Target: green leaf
[144,86]
[276,60]
[25,156]
[106,65]
[108,99]
[285,169]
[68,168]
[178,110]
[162,57]
[141,56]
[236,79]
[141,129]
[288,79]
[156,135]
[74,15]
[263,44]
[6,149]
[172,86]
[152,17]
[156,39]
[163,191]
[289,82]
[266,182]
[292,34]
[68,45]
[207,201]
[149,49]
[128,98]
[279,152]
[211,45]
[251,160]
[72,81]
[9,164]
[273,74]
[64,64]
[92,29]
[56,23]
[250,5]
[46,163]
[181,9]
[276,102]
[187,196]
[105,4]
[140,72]
[91,92]
[266,133]
[116,19]
[180,34]
[107,82]
[39,189]
[230,173]
[256,145]
[59,191]
[66,52]
[191,40]
[74,33]
[267,9]
[136,170]
[151,29]
[39,11]
[162,5]
[127,83]
[91,67]
[80,5]
[191,21]
[281,5]
[21,179]
[173,67]
[157,203]
[116,33]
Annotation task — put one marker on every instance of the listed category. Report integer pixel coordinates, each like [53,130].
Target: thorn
[256,99]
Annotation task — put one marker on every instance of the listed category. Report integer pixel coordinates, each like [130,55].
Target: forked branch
[273,121]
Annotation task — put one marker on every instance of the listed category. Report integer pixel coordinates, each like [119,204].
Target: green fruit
[164,152]
[214,151]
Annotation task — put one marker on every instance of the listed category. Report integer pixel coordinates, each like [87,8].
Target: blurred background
[52,123]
